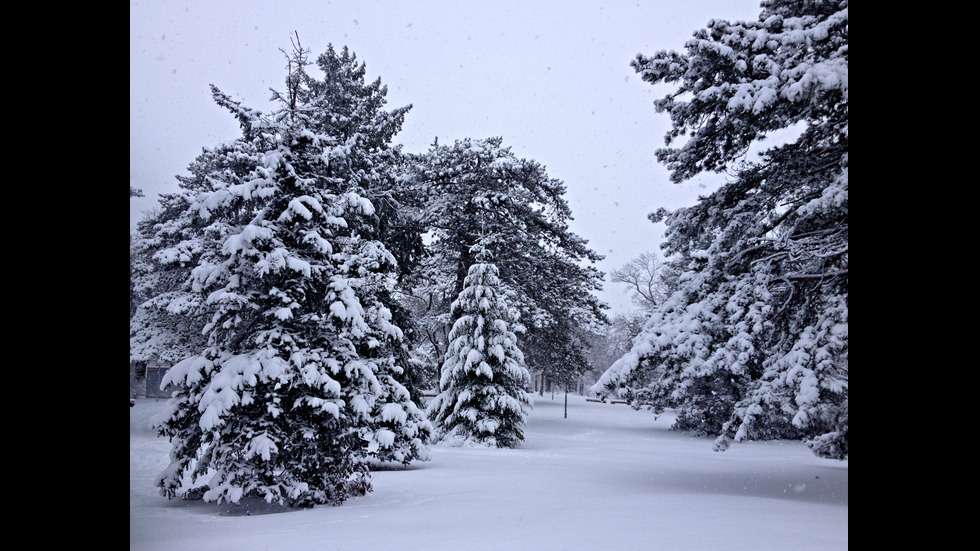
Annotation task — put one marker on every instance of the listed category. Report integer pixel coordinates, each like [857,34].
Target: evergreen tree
[476,188]
[170,316]
[297,388]
[753,343]
[482,399]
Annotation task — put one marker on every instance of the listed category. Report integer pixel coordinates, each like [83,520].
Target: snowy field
[607,477]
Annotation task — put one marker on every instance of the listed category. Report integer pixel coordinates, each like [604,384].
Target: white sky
[551,77]
[605,478]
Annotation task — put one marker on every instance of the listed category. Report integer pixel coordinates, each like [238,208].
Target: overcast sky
[551,77]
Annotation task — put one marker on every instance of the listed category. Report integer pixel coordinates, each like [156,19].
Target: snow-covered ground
[605,477]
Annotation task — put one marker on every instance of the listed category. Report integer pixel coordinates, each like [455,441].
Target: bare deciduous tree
[646,278]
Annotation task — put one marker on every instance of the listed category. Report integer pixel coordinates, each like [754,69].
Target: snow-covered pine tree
[169,320]
[753,344]
[482,399]
[297,389]
[477,187]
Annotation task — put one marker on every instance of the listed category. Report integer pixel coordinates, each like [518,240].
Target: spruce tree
[753,343]
[482,399]
[297,389]
[169,318]
[479,191]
